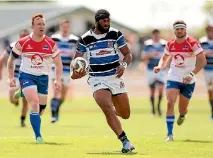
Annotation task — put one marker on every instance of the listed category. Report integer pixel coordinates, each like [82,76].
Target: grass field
[83,132]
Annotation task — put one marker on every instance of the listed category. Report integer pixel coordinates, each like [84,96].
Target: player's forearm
[58,71]
[10,68]
[200,64]
[162,63]
[128,58]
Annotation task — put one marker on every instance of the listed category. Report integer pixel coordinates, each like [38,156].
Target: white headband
[179,26]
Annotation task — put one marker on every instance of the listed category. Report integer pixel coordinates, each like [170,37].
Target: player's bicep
[197,49]
[200,58]
[121,42]
[81,47]
[57,59]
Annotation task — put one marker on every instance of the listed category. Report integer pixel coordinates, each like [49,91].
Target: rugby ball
[78,64]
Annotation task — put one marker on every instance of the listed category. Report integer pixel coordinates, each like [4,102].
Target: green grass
[83,132]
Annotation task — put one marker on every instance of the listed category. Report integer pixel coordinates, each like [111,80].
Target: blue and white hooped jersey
[17,61]
[207,45]
[67,47]
[149,47]
[102,51]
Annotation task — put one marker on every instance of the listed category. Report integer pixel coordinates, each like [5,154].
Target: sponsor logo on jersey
[102,52]
[45,47]
[185,47]
[37,61]
[29,47]
[179,60]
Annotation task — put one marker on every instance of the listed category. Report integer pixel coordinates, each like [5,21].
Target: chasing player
[37,52]
[187,60]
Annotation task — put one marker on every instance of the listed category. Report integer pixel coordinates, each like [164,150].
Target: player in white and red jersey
[37,52]
[187,60]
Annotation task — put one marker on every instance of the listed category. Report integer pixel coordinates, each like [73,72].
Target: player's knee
[107,109]
[34,103]
[170,103]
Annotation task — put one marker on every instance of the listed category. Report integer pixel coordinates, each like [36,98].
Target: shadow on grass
[113,153]
[197,141]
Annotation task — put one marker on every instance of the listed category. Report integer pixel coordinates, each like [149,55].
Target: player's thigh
[121,103]
[42,84]
[103,99]
[29,89]
[172,91]
[186,92]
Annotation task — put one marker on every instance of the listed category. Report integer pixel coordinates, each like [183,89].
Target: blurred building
[16,16]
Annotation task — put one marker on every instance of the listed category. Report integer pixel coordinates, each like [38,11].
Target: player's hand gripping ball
[80,64]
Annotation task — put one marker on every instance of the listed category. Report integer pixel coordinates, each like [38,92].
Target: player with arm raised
[37,52]
[187,60]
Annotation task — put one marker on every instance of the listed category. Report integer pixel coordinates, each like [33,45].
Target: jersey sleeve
[17,49]
[121,40]
[81,48]
[166,49]
[197,49]
[55,51]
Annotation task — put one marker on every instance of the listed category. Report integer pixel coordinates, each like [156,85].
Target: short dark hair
[155,31]
[101,14]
